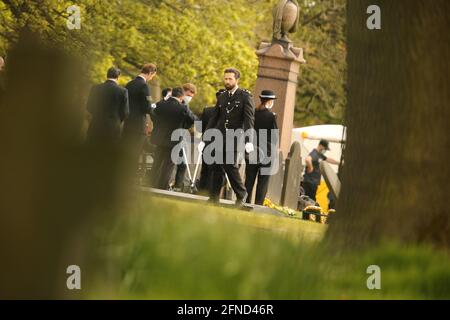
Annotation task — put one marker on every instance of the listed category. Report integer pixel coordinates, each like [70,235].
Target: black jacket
[189,123]
[108,104]
[235,112]
[140,106]
[205,117]
[265,120]
[168,116]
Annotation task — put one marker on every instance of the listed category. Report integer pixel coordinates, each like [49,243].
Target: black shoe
[213,200]
[240,202]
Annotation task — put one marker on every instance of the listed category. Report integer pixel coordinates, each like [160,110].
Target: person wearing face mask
[169,116]
[189,90]
[265,121]
[312,176]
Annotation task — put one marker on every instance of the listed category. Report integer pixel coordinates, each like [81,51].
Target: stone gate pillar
[279,67]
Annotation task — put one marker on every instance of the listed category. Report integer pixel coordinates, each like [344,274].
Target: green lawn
[165,249]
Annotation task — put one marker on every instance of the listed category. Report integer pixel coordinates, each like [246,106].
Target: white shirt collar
[234,90]
[178,99]
[113,80]
[142,78]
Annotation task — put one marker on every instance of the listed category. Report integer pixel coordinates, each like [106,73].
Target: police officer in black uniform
[265,122]
[234,110]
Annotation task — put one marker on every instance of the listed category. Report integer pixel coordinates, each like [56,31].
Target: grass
[165,249]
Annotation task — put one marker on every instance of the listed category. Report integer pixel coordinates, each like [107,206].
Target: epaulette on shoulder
[247,92]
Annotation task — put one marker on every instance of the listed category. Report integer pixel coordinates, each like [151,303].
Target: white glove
[201,146]
[249,147]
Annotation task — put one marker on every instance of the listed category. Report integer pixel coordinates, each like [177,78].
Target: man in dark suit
[108,105]
[205,183]
[190,90]
[168,116]
[135,127]
[234,110]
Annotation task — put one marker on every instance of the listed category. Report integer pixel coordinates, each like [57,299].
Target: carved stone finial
[285,20]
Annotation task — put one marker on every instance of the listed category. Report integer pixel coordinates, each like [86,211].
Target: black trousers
[162,168]
[310,189]
[232,171]
[135,144]
[206,176]
[253,172]
[180,175]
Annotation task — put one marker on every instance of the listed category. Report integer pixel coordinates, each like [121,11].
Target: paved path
[197,198]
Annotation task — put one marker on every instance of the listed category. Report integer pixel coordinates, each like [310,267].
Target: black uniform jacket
[265,122]
[235,112]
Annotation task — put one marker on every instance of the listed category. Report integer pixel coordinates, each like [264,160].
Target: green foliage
[190,41]
[321,94]
[193,41]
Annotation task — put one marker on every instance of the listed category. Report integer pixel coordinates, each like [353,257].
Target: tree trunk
[396,180]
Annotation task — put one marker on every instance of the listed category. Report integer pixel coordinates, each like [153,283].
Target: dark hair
[149,68]
[236,72]
[263,103]
[325,143]
[177,92]
[165,91]
[264,100]
[113,73]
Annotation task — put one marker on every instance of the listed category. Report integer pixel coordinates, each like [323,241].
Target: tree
[321,93]
[396,175]
[321,96]
[191,41]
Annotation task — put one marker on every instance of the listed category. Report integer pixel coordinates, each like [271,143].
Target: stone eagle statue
[285,19]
